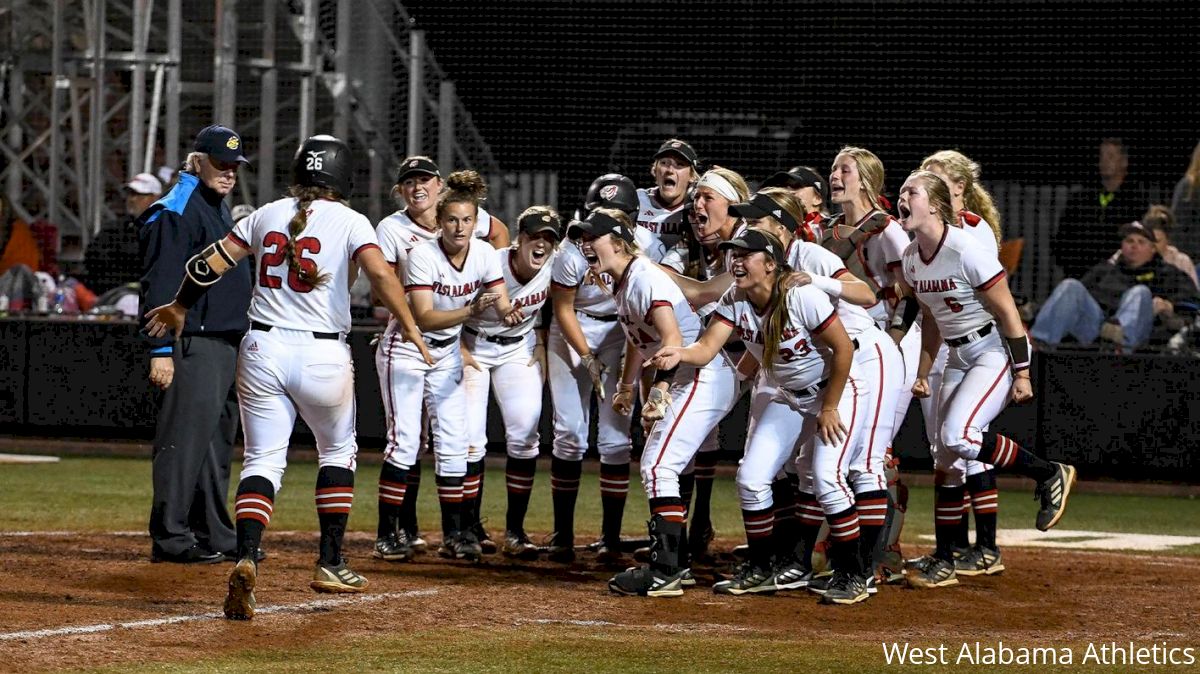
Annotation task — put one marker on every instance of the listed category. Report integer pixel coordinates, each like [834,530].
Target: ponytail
[305,195]
[777,317]
[977,200]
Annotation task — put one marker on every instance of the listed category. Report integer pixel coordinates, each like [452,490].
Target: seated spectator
[1185,205]
[33,245]
[113,258]
[1158,219]
[1119,302]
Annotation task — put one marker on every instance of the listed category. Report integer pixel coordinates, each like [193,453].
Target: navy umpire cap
[324,161]
[220,143]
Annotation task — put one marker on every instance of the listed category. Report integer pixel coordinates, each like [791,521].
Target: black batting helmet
[324,161]
[613,190]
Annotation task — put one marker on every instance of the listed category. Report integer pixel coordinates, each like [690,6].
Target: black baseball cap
[220,143]
[536,223]
[678,147]
[417,165]
[598,224]
[753,240]
[763,206]
[797,177]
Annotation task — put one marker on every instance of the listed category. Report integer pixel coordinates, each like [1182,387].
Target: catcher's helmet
[612,190]
[324,161]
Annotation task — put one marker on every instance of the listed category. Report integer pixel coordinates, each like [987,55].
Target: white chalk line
[674,628]
[316,604]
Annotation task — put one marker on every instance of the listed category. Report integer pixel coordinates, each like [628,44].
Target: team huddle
[674,301]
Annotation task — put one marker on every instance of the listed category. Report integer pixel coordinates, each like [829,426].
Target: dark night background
[1026,88]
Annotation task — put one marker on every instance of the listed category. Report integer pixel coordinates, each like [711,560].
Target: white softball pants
[405,381]
[975,388]
[518,388]
[571,392]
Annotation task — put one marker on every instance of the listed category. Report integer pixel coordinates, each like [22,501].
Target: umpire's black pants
[193,446]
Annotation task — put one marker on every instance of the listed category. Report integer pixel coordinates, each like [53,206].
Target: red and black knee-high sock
[985,501]
[962,533]
[809,518]
[704,474]
[518,477]
[472,494]
[564,490]
[1002,452]
[786,531]
[614,489]
[450,496]
[393,486]
[872,509]
[687,486]
[668,544]
[408,509]
[760,527]
[948,505]
[844,532]
[252,510]
[335,495]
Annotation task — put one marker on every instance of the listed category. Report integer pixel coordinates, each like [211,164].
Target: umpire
[197,408]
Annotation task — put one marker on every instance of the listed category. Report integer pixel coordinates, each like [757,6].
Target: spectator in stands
[33,245]
[1088,228]
[198,410]
[1158,219]
[1185,204]
[113,259]
[1119,302]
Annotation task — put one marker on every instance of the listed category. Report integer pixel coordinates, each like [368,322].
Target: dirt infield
[91,583]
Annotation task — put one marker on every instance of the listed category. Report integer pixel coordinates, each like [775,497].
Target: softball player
[659,208]
[448,281]
[969,199]
[963,294]
[682,407]
[586,346]
[513,357]
[779,212]
[813,192]
[808,358]
[418,184]
[295,358]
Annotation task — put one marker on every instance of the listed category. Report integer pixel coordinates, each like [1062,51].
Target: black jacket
[176,227]
[1108,281]
[1088,232]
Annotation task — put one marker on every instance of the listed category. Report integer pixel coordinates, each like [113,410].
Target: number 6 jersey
[333,238]
[948,282]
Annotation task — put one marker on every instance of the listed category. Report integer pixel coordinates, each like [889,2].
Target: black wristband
[1018,352]
[665,376]
[190,292]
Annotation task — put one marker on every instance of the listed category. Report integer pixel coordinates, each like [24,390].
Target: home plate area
[1089,540]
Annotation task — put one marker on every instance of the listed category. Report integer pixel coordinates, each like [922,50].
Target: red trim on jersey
[967,218]
[945,231]
[654,305]
[237,240]
[409,289]
[354,255]
[494,282]
[991,282]
[565,287]
[967,426]
[667,441]
[840,273]
[825,323]
[724,320]
[467,248]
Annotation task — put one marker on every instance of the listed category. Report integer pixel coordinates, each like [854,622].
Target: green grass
[106,494]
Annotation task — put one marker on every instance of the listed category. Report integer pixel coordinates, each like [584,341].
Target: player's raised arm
[200,273]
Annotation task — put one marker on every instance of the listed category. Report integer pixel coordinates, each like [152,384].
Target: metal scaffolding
[93,92]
